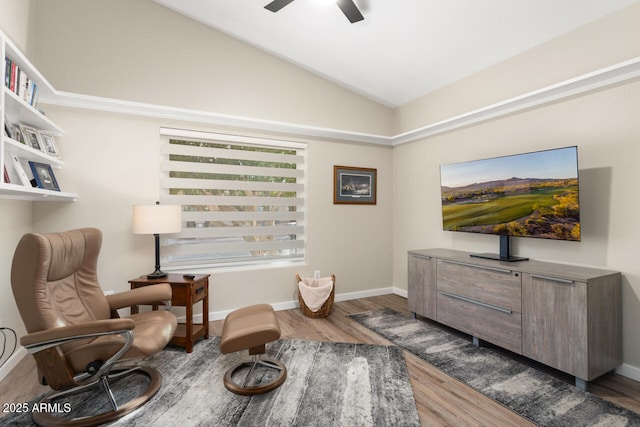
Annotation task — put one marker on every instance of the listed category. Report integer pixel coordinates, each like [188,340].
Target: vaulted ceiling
[403,49]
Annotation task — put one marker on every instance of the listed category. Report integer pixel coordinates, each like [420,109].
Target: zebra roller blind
[242,198]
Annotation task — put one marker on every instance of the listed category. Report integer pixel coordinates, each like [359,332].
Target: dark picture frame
[43,174]
[354,185]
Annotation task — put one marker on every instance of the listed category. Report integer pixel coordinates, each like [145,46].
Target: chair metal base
[48,419]
[245,389]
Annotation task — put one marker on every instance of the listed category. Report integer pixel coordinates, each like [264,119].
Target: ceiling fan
[348,7]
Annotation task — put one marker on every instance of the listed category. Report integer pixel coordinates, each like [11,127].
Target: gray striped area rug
[531,393]
[328,384]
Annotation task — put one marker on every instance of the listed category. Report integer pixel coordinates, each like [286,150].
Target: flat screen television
[532,194]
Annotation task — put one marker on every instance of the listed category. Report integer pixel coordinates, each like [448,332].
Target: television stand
[498,257]
[505,252]
[564,316]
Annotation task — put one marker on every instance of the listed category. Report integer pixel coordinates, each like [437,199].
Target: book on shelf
[7,180]
[7,74]
[19,82]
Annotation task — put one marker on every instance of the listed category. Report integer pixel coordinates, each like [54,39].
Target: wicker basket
[325,310]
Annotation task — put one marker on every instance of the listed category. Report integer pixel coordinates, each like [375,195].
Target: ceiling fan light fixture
[348,7]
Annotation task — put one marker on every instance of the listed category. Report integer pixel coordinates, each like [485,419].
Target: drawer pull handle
[481,267]
[200,290]
[482,304]
[421,256]
[553,279]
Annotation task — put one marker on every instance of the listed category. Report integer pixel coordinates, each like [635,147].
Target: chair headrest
[68,250]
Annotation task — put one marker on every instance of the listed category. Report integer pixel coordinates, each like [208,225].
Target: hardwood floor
[441,400]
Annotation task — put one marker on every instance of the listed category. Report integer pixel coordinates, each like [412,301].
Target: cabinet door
[422,286]
[553,316]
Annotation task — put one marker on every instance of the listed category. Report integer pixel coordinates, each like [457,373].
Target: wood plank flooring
[441,400]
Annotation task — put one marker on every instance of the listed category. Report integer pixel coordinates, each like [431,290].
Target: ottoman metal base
[246,389]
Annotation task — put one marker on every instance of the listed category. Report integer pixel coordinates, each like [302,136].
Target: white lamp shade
[157,219]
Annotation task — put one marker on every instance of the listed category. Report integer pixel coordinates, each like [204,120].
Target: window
[242,198]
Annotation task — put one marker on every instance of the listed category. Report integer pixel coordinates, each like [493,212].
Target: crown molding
[599,79]
[89,102]
[605,77]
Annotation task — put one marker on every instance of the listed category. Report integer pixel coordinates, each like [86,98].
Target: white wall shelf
[15,110]
[25,152]
[21,192]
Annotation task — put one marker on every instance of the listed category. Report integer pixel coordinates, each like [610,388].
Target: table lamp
[157,219]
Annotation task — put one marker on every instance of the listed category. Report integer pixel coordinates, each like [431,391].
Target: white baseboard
[629,371]
[401,292]
[288,305]
[12,362]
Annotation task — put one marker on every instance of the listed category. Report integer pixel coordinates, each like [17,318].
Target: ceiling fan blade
[276,5]
[350,10]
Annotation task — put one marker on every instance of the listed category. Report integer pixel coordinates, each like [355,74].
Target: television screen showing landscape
[526,195]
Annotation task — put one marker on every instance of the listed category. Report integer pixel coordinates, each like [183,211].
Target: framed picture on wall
[354,185]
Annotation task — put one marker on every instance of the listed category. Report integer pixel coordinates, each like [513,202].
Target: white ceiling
[403,49]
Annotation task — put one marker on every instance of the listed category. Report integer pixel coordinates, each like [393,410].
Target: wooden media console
[564,316]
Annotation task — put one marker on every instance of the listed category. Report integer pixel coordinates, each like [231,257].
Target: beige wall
[112,162]
[600,44]
[16,222]
[603,124]
[14,19]
[141,51]
[15,22]
[111,159]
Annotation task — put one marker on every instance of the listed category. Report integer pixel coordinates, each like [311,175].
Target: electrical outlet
[316,274]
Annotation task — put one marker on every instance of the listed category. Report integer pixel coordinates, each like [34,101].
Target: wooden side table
[185,293]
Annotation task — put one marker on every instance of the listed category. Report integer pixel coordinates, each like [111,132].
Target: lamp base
[158,274]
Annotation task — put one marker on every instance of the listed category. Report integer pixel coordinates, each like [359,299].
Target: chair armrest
[44,340]
[67,333]
[151,294]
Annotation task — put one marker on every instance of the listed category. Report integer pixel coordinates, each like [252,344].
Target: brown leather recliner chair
[74,331]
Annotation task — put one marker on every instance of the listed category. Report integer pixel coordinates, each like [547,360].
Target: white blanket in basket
[315,292]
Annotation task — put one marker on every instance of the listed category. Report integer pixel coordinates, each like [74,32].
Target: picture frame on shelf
[32,137]
[17,167]
[16,134]
[49,145]
[354,185]
[44,177]
[11,130]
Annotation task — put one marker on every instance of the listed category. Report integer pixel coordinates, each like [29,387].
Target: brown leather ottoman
[251,328]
